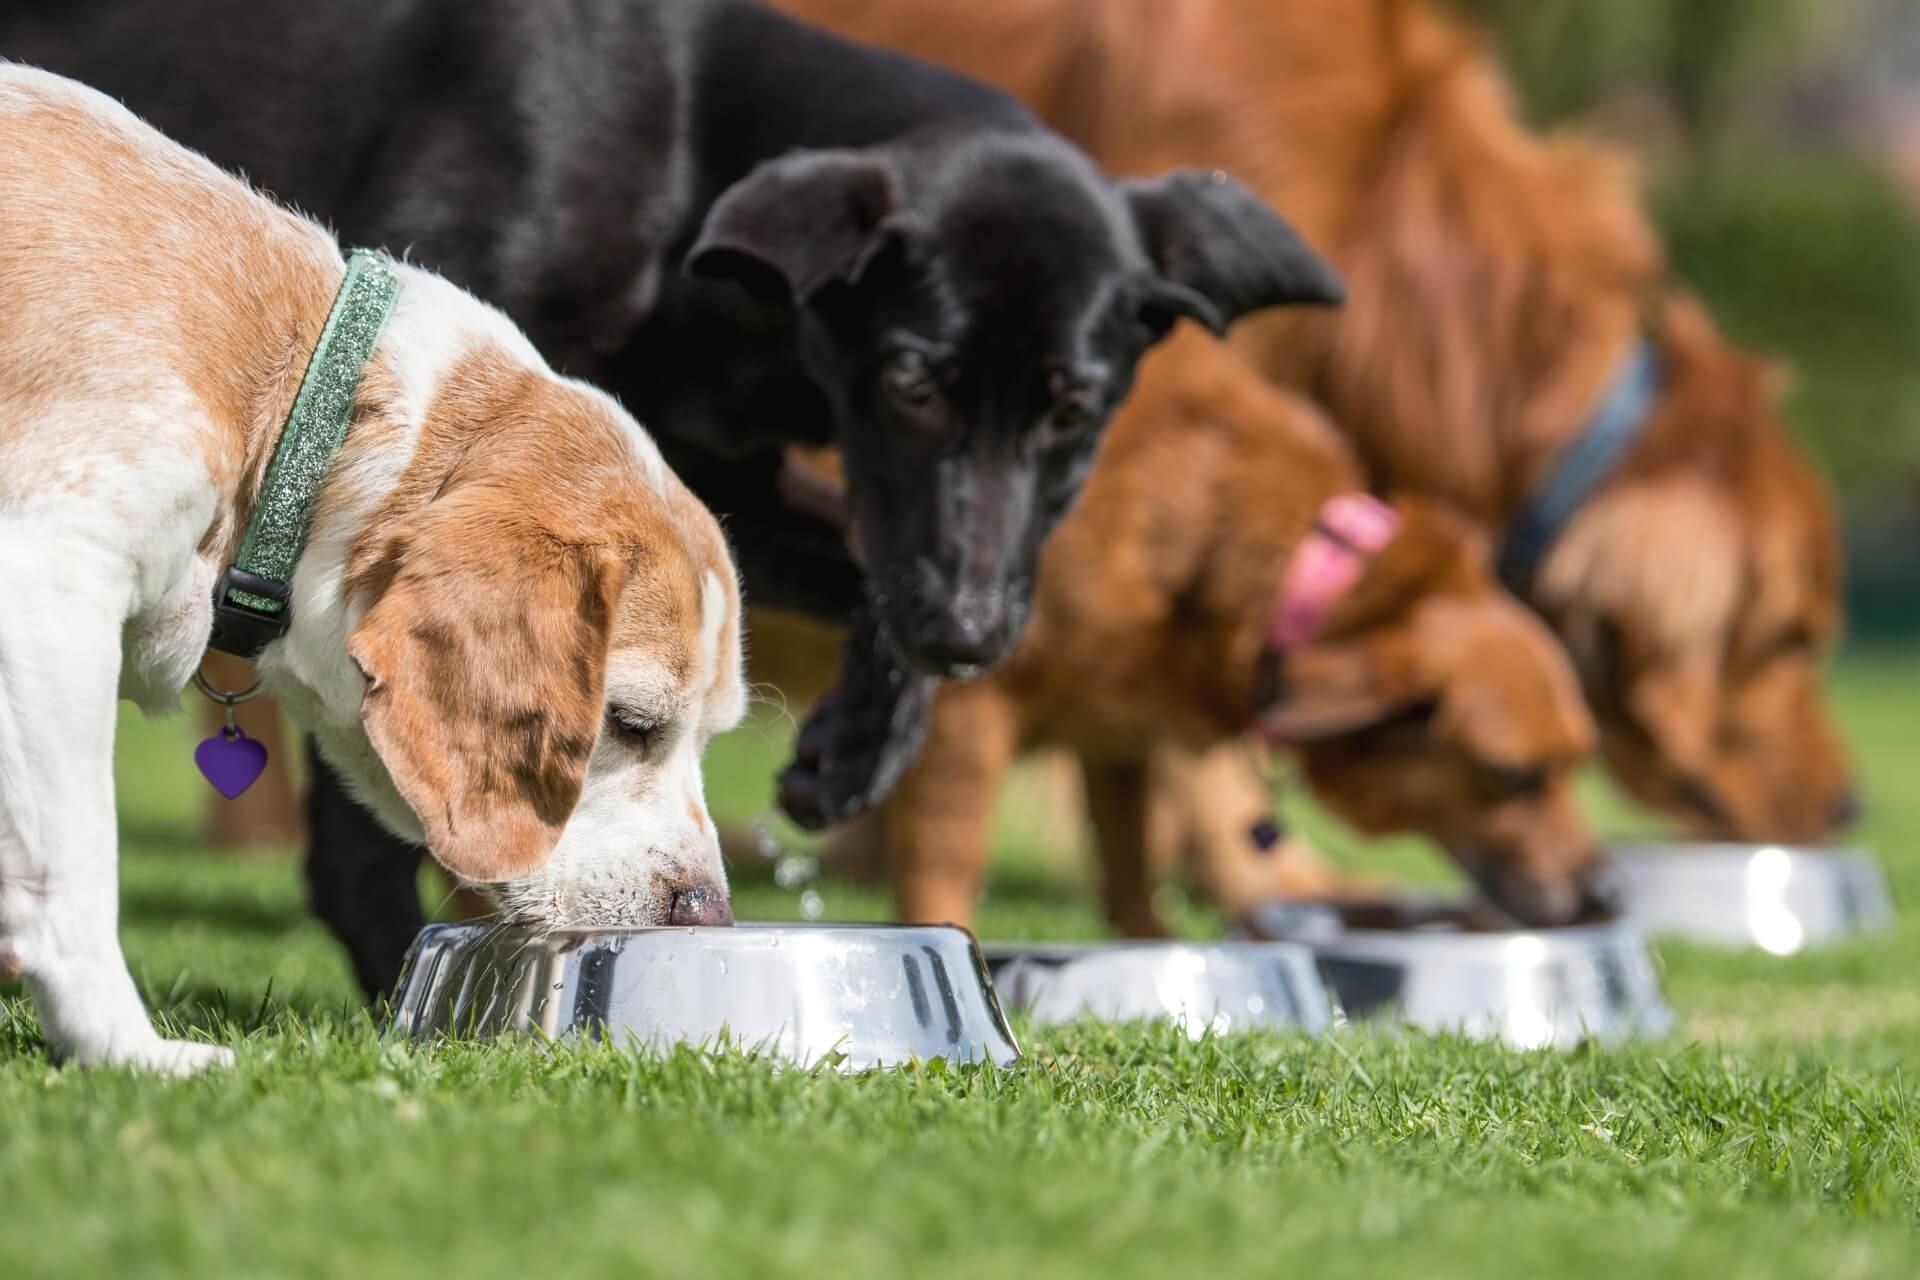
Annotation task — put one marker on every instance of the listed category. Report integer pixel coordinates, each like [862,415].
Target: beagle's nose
[701,906]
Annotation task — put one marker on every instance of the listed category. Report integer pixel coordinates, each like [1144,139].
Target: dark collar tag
[239,628]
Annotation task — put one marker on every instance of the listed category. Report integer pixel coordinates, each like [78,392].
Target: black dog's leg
[862,735]
[362,880]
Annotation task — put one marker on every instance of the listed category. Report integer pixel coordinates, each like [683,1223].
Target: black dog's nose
[700,906]
[942,642]
[1847,811]
[946,629]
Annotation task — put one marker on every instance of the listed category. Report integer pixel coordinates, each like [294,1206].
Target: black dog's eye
[639,731]
[1074,413]
[1526,780]
[909,379]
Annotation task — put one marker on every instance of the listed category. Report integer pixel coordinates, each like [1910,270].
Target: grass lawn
[1775,1134]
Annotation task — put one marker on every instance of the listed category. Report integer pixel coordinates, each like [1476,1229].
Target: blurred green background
[1781,140]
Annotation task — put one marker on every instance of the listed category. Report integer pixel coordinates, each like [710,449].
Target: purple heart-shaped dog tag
[231,761]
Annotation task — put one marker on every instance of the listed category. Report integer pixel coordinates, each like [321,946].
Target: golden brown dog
[1209,814]
[1496,280]
[1425,699]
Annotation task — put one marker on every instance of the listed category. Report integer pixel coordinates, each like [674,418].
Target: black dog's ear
[797,223]
[1221,252]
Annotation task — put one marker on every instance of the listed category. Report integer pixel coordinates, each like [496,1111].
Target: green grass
[1773,1135]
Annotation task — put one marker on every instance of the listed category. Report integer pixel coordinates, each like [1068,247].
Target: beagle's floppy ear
[1221,252]
[797,223]
[485,658]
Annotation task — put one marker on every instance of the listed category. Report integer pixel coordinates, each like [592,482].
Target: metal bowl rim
[491,930]
[1079,950]
[1574,936]
[469,942]
[1703,849]
[1603,931]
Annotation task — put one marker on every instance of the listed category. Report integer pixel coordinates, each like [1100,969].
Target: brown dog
[1496,283]
[1424,698]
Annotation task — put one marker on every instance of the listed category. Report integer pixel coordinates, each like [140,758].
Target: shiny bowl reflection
[1204,987]
[851,996]
[1447,966]
[1779,898]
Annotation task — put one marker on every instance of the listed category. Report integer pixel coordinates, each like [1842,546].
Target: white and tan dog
[512,628]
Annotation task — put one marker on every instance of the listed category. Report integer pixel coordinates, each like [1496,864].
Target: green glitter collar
[250,605]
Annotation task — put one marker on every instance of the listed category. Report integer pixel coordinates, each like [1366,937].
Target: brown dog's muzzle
[1538,898]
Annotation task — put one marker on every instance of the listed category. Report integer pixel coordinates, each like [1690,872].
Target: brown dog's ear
[1674,700]
[1368,664]
[797,223]
[1221,252]
[485,657]
[1335,689]
[1435,552]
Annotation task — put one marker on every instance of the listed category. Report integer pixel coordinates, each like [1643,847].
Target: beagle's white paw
[179,1058]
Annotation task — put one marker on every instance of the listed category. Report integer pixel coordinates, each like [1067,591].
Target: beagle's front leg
[59,882]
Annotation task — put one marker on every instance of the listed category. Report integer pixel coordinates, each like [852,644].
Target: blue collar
[1583,467]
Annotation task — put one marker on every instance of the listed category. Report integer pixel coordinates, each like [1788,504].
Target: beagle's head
[548,627]
[1433,702]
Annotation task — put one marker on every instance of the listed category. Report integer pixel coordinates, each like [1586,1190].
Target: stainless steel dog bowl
[1446,967]
[1779,898]
[860,995]
[1217,987]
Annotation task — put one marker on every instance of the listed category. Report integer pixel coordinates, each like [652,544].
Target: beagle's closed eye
[637,729]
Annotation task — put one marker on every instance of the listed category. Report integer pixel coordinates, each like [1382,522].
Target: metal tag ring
[223,697]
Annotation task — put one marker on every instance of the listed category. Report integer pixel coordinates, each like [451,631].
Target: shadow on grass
[222,1011]
[242,912]
[143,837]
[170,839]
[1036,887]
[216,1012]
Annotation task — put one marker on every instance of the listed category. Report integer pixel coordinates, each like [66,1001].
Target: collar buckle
[241,628]
[1584,466]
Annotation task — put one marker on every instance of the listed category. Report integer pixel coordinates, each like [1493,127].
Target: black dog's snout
[944,639]
[700,907]
[947,646]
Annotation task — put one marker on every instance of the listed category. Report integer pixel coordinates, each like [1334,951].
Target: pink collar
[1351,529]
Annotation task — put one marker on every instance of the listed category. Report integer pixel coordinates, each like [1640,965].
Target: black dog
[758,235]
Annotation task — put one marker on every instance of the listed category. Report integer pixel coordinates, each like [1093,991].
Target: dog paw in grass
[176,1058]
[859,740]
